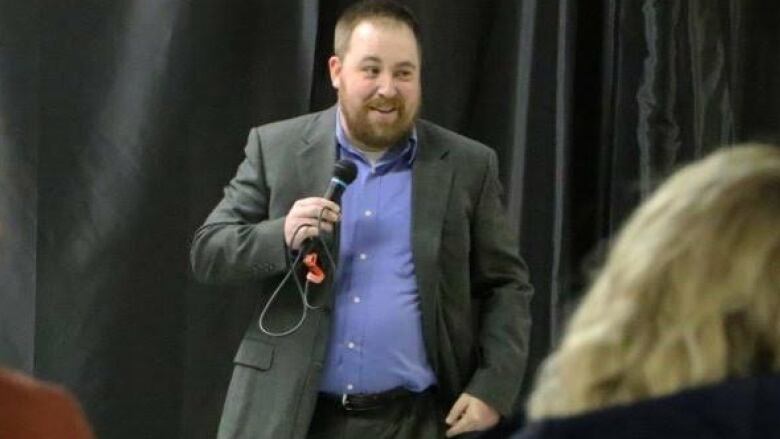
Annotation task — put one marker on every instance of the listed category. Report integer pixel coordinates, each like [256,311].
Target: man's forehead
[382,23]
[370,40]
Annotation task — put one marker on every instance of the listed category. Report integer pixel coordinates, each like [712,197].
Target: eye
[403,74]
[371,71]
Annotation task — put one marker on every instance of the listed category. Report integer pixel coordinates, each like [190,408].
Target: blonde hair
[689,294]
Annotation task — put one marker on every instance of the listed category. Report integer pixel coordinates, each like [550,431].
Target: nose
[386,85]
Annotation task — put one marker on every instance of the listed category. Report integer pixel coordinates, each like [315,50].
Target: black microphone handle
[333,193]
[335,190]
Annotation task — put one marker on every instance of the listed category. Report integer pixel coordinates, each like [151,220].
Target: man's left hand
[469,413]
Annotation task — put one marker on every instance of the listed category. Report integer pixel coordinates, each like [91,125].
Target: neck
[367,148]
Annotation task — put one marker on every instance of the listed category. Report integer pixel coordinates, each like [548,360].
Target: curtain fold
[110,270]
[19,128]
[674,88]
[538,193]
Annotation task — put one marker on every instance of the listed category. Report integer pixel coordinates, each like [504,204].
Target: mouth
[384,110]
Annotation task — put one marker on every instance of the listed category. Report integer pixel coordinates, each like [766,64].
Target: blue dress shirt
[376,340]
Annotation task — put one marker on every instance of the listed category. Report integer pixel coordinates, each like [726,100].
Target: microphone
[344,173]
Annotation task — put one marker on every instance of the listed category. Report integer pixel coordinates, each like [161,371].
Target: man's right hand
[304,214]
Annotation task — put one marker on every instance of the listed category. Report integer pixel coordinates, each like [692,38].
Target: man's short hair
[368,10]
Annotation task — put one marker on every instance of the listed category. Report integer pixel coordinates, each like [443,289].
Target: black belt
[370,401]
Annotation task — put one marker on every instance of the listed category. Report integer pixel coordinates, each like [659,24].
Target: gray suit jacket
[473,285]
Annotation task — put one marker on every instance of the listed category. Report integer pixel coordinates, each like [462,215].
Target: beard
[376,133]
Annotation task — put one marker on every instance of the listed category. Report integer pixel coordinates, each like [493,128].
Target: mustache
[396,102]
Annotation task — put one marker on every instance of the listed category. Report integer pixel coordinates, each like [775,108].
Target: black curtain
[121,121]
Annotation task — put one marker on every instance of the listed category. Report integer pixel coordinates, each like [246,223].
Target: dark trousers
[413,418]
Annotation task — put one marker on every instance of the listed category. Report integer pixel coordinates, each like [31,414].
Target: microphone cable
[303,290]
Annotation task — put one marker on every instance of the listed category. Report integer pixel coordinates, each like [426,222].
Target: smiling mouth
[384,110]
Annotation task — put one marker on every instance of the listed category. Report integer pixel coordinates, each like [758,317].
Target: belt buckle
[345,403]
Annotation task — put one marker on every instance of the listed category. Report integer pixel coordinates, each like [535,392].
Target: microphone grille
[345,170]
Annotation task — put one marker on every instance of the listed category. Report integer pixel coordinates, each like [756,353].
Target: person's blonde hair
[689,294]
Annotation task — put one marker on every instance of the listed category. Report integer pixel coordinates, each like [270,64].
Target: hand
[305,213]
[469,413]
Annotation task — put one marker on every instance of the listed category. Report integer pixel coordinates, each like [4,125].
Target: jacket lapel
[318,153]
[431,183]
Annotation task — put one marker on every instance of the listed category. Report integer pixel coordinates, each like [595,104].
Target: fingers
[470,414]
[305,229]
[312,207]
[307,217]
[457,409]
[457,418]
[462,425]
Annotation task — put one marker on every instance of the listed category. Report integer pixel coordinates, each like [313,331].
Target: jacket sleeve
[500,282]
[238,242]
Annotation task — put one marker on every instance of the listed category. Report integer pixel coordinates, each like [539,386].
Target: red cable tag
[315,274]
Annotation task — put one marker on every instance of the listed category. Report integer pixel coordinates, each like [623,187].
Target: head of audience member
[376,72]
[689,294]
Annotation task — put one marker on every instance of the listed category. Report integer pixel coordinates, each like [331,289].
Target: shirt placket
[359,294]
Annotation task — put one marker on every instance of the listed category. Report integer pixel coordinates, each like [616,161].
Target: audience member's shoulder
[19,385]
[33,409]
[746,404]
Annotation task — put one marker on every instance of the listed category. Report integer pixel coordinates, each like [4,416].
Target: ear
[334,65]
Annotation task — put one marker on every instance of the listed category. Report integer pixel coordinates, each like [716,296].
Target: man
[423,329]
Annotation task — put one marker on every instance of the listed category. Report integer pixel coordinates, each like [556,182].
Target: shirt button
[363,256]
[356,299]
[350,387]
[368,213]
[351,345]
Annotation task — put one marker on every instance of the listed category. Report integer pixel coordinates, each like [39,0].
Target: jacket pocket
[254,354]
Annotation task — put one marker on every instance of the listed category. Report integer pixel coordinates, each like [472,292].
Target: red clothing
[31,409]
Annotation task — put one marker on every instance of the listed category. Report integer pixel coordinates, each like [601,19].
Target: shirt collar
[408,149]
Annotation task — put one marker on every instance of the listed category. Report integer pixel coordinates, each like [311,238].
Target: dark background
[120,121]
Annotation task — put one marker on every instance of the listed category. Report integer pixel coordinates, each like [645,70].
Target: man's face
[378,83]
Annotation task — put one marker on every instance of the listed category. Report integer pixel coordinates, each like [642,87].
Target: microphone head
[345,170]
